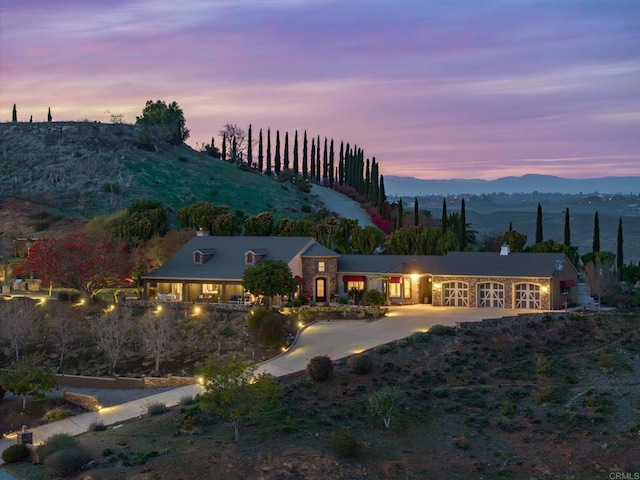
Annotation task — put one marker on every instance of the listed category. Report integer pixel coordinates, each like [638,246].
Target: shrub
[2,392]
[543,365]
[441,330]
[73,297]
[373,297]
[344,445]
[271,332]
[56,443]
[187,400]
[15,453]
[544,395]
[97,426]
[156,408]
[256,316]
[320,368]
[360,364]
[57,413]
[66,461]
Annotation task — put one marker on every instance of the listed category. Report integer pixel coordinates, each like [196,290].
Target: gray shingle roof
[317,250]
[227,263]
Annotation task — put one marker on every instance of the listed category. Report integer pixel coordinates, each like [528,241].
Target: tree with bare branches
[63,324]
[158,331]
[601,275]
[232,133]
[17,319]
[111,332]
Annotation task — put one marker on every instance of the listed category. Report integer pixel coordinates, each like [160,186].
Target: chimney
[504,249]
[201,232]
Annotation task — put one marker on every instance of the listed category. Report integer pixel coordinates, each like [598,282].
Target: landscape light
[197,310]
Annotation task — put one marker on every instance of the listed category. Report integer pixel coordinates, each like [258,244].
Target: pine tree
[296,166]
[14,114]
[596,234]
[400,218]
[416,215]
[224,146]
[382,198]
[49,118]
[619,257]
[305,159]
[463,227]
[260,155]
[567,228]
[268,172]
[443,220]
[249,148]
[286,151]
[313,160]
[539,237]
[331,164]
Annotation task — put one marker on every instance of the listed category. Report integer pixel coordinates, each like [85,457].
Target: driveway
[339,339]
[342,205]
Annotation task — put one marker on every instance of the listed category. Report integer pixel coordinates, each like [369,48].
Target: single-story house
[210,269]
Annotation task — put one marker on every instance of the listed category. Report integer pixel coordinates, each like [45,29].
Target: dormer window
[253,256]
[202,256]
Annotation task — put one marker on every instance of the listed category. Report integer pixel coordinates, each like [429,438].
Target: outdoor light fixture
[437,286]
[544,289]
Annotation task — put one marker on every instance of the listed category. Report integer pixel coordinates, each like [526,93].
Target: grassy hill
[84,169]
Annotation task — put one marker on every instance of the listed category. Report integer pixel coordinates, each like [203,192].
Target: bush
[57,413]
[66,461]
[187,400]
[373,297]
[320,368]
[441,330]
[360,364]
[56,443]
[271,332]
[96,426]
[344,445]
[256,316]
[15,453]
[73,297]
[2,392]
[156,408]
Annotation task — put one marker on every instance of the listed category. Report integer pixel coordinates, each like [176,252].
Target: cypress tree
[14,114]
[567,228]
[31,119]
[463,228]
[596,233]
[234,150]
[296,166]
[443,220]
[416,215]
[619,256]
[341,164]
[510,227]
[249,149]
[305,159]
[331,163]
[382,198]
[277,159]
[49,118]
[539,225]
[325,163]
[286,150]
[260,155]
[318,171]
[268,171]
[313,160]
[224,146]
[400,218]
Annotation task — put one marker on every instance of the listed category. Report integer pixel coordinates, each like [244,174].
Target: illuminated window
[321,267]
[395,290]
[406,283]
[359,285]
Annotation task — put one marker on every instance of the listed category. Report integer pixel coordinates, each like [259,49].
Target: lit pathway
[337,339]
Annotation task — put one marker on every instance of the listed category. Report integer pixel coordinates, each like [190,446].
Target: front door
[321,289]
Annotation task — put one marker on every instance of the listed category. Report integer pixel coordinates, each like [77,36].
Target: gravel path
[341,204]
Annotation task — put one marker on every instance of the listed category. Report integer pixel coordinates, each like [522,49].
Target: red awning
[353,278]
[395,280]
[567,283]
[298,279]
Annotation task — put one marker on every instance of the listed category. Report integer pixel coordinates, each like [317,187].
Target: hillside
[84,169]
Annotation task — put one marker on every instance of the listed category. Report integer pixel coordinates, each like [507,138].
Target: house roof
[540,265]
[318,250]
[228,262]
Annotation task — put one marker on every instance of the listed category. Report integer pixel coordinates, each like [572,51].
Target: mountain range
[410,186]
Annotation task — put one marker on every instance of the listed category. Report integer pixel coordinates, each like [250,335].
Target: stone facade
[310,274]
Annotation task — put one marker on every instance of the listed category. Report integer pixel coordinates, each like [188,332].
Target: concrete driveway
[340,339]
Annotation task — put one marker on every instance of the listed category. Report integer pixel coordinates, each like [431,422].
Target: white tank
[584,294]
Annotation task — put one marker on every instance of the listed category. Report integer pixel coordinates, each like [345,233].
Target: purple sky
[431,88]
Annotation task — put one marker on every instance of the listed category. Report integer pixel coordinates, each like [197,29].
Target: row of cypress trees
[14,115]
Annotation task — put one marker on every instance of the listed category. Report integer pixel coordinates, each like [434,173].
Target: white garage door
[455,294]
[490,295]
[527,295]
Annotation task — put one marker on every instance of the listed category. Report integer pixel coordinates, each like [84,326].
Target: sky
[433,89]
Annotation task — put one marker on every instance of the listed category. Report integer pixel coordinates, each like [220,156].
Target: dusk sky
[432,88]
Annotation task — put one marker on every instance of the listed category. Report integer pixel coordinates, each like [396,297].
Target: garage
[455,294]
[490,295]
[527,295]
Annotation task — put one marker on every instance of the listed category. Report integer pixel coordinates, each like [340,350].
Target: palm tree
[454,224]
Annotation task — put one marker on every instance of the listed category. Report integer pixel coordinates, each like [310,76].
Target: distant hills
[410,186]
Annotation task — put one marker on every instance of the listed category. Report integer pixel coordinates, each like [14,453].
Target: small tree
[17,318]
[111,332]
[162,123]
[601,275]
[27,377]
[158,332]
[14,114]
[269,278]
[49,117]
[539,236]
[237,394]
[320,368]
[384,403]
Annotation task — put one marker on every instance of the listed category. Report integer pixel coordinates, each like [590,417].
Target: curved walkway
[341,204]
[337,339]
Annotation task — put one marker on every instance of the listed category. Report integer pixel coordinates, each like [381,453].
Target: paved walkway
[337,339]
